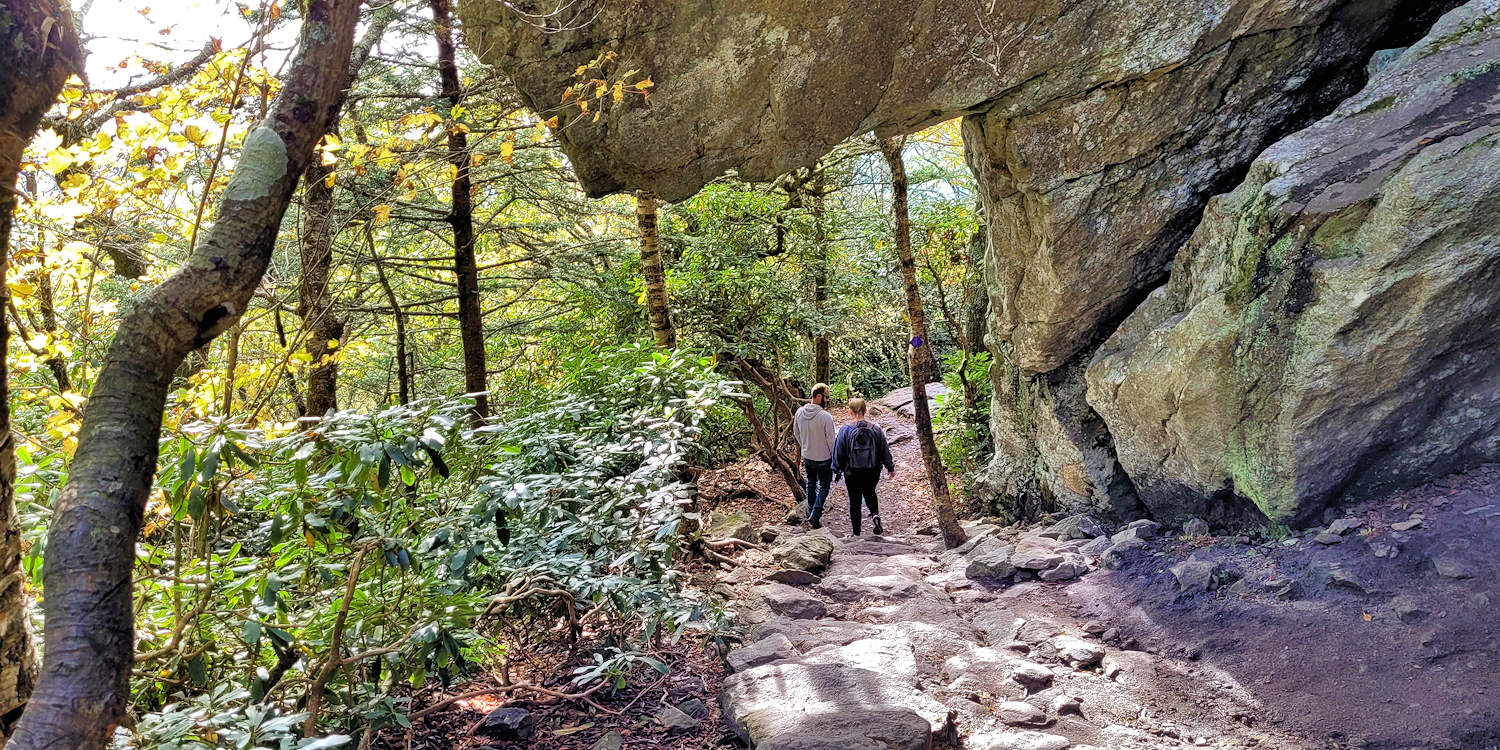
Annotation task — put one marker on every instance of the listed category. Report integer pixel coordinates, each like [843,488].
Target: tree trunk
[403,374]
[937,476]
[820,369]
[89,648]
[39,52]
[658,307]
[461,217]
[325,329]
[324,326]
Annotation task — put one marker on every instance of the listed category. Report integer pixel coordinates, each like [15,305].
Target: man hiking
[813,426]
[858,454]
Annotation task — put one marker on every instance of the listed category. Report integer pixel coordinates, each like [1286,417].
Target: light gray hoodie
[813,426]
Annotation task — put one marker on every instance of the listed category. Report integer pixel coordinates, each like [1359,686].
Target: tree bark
[324,326]
[39,52]
[937,475]
[658,306]
[461,217]
[325,329]
[403,374]
[820,344]
[89,646]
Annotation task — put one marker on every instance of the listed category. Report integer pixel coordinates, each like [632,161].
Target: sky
[162,30]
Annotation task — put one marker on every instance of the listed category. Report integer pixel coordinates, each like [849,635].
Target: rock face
[1305,327]
[1327,331]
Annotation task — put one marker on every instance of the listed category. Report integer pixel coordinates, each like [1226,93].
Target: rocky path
[1375,631]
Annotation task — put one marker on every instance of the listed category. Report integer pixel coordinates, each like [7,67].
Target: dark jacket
[844,443]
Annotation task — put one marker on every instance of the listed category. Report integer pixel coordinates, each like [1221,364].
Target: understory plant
[291,578]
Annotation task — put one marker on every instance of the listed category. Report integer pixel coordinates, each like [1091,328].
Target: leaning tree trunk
[937,476]
[39,51]
[89,646]
[658,307]
[461,217]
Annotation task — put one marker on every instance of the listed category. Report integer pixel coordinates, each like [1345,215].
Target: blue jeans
[819,478]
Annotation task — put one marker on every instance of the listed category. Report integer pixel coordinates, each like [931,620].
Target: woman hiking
[858,453]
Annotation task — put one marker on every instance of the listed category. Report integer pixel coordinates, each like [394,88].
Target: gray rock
[1018,741]
[674,720]
[977,534]
[1143,528]
[1325,537]
[1407,525]
[998,625]
[794,603]
[1344,525]
[1407,607]
[1020,714]
[1071,567]
[1034,553]
[810,634]
[611,740]
[1384,548]
[826,706]
[735,525]
[852,588]
[1195,527]
[1096,547]
[1195,576]
[1036,630]
[990,560]
[1031,675]
[1317,339]
[1077,526]
[507,724]
[1120,549]
[794,577]
[1064,705]
[693,707]
[1076,652]
[810,552]
[1451,563]
[772,648]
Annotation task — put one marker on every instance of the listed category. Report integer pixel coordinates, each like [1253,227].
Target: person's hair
[856,405]
[820,388]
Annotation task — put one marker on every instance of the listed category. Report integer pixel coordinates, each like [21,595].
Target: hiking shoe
[878,528]
[817,524]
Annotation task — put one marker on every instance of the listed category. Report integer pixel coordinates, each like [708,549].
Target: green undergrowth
[408,545]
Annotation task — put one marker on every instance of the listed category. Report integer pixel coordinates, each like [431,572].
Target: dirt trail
[1379,634]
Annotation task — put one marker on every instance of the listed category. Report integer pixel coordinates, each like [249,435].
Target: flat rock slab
[887,587]
[810,634]
[877,547]
[792,602]
[795,705]
[848,728]
[773,648]
[1019,741]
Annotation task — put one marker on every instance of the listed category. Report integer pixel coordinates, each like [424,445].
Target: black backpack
[864,451]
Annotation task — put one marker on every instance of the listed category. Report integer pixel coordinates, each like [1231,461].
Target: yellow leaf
[583,104]
[1368,617]
[596,116]
[21,289]
[551,122]
[618,92]
[329,180]
[581,70]
[382,214]
[199,136]
[644,84]
[331,142]
[333,343]
[75,181]
[508,151]
[600,88]
[58,160]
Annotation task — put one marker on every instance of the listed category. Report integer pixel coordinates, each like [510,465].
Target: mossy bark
[84,688]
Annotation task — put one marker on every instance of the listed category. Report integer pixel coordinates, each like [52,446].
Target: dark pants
[819,478]
[861,484]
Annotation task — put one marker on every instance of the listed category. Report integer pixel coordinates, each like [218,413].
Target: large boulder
[1330,329]
[1097,130]
[810,552]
